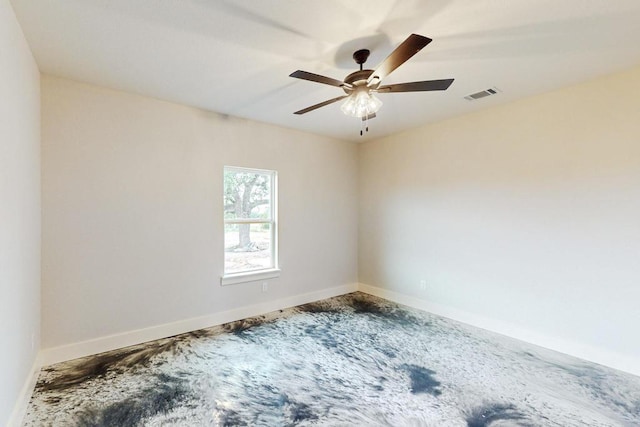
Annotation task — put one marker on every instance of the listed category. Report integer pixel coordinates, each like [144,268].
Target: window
[250,230]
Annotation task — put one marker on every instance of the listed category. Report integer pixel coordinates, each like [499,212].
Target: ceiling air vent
[482,94]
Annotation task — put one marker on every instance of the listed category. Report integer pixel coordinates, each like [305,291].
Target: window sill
[252,276]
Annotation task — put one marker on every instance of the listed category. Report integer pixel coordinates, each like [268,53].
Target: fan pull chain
[364,125]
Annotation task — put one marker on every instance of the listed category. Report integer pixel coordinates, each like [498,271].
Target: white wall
[132,211]
[525,215]
[19,211]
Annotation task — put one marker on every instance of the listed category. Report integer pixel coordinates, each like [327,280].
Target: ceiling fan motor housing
[355,79]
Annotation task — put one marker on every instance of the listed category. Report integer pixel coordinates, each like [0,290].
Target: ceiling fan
[360,86]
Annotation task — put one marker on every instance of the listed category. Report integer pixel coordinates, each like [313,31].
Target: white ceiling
[234,57]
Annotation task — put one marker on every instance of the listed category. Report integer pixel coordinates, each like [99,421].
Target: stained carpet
[349,360]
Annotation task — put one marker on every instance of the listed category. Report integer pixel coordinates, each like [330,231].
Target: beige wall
[132,211]
[527,215]
[19,211]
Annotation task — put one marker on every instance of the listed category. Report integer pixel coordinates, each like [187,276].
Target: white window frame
[262,273]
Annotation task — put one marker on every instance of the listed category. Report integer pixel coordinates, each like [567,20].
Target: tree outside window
[249,216]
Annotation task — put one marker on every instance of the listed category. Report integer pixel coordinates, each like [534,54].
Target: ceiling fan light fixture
[361,104]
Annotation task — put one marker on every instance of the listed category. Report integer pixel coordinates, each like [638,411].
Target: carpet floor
[350,360]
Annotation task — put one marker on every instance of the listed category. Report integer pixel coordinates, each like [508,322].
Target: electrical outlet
[265,286]
[423,285]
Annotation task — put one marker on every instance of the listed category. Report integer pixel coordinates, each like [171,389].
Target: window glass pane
[247,194]
[247,247]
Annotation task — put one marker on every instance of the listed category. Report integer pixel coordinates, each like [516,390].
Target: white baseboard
[582,351]
[53,355]
[20,408]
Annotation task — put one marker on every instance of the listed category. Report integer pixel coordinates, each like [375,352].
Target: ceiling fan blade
[305,75]
[412,45]
[322,104]
[427,85]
